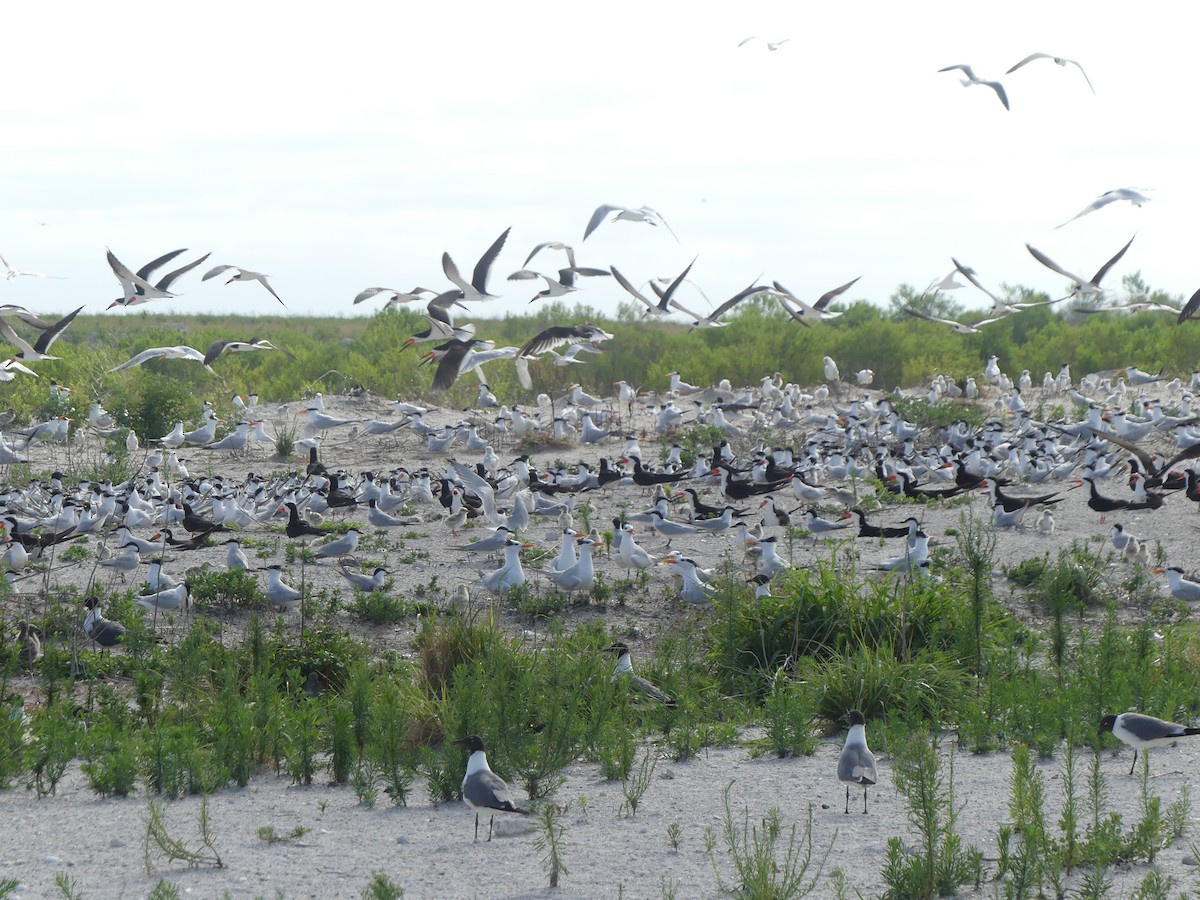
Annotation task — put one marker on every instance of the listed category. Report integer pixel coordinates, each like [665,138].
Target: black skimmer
[477,288]
[220,348]
[1143,732]
[856,764]
[38,350]
[134,287]
[665,295]
[972,79]
[1061,61]
[1079,285]
[240,274]
[801,312]
[162,286]
[482,788]
[955,326]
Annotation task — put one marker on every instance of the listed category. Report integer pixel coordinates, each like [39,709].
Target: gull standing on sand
[1143,732]
[240,274]
[856,765]
[482,788]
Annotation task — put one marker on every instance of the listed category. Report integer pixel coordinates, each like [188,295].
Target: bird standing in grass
[856,765]
[1142,732]
[482,788]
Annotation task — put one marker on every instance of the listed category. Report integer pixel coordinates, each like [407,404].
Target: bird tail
[1191,731]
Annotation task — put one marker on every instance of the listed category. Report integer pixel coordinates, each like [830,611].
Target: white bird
[691,589]
[856,764]
[125,560]
[1142,732]
[240,274]
[135,288]
[343,546]
[1058,60]
[169,599]
[233,442]
[482,788]
[831,369]
[971,80]
[579,577]
[1180,587]
[13,271]
[279,593]
[235,557]
[1106,198]
[624,670]
[38,350]
[477,288]
[509,575]
[145,356]
[1079,286]
[641,214]
[373,582]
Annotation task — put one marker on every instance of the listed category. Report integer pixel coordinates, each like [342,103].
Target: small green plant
[635,786]
[767,862]
[159,839]
[551,842]
[164,890]
[269,835]
[382,888]
[673,834]
[67,886]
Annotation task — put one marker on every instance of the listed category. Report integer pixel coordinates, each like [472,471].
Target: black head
[472,743]
[1107,723]
[617,647]
[91,602]
[856,718]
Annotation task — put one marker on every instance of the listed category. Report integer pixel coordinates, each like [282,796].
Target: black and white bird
[1142,732]
[1181,588]
[1079,285]
[240,274]
[476,289]
[856,765]
[625,671]
[482,788]
[626,214]
[39,349]
[100,630]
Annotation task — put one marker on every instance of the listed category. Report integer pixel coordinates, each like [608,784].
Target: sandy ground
[428,850]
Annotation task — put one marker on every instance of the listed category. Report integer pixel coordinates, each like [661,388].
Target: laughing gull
[856,765]
[1143,732]
[482,788]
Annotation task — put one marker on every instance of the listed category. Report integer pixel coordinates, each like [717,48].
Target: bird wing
[553,245]
[966,70]
[215,350]
[50,335]
[144,356]
[969,274]
[136,281]
[748,291]
[1189,308]
[929,318]
[782,297]
[999,89]
[1052,265]
[263,280]
[482,268]
[164,283]
[24,315]
[825,298]
[477,486]
[1081,72]
[523,373]
[450,365]
[451,270]
[214,272]
[368,293]
[1108,265]
[16,340]
[1030,58]
[598,217]
[1102,200]
[526,275]
[656,214]
[624,282]
[148,268]
[674,285]
[547,339]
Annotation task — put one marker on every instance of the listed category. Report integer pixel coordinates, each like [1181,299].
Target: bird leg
[491,821]
[864,801]
[847,810]
[1134,760]
[477,828]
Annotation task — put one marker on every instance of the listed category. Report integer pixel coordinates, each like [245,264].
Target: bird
[280,594]
[856,765]
[297,527]
[30,640]
[13,271]
[134,287]
[955,326]
[161,289]
[1134,197]
[509,575]
[482,788]
[665,297]
[373,582]
[180,352]
[240,274]
[100,630]
[625,671]
[235,556]
[1180,587]
[1080,286]
[220,348]
[1142,732]
[641,214]
[971,80]
[1058,60]
[477,288]
[168,599]
[342,546]
[557,287]
[38,350]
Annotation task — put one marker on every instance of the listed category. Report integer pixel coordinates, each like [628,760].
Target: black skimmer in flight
[240,274]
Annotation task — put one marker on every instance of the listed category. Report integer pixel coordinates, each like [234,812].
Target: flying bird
[38,350]
[13,271]
[1189,308]
[1137,199]
[955,326]
[240,274]
[802,311]
[1057,60]
[134,287]
[971,80]
[1079,286]
[417,293]
[163,353]
[641,214]
[477,289]
[220,348]
[163,285]
[556,287]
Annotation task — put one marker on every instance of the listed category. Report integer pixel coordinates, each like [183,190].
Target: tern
[180,352]
[1079,286]
[343,546]
[971,80]
[482,788]
[14,272]
[856,765]
[641,214]
[801,312]
[1143,732]
[477,288]
[1134,197]
[240,274]
[169,599]
[1180,587]
[280,594]
[665,301]
[220,348]
[417,293]
[1058,60]
[557,287]
[955,326]
[368,583]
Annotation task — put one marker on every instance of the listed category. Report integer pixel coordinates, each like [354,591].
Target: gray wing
[598,217]
[1189,308]
[1052,265]
[166,281]
[213,273]
[857,765]
[1112,262]
[480,276]
[144,271]
[1030,58]
[624,282]
[1148,728]
[487,790]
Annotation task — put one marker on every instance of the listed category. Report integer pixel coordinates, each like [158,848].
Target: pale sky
[340,147]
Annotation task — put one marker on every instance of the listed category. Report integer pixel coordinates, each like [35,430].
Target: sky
[337,148]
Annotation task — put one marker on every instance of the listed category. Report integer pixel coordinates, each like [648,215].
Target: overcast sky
[340,147]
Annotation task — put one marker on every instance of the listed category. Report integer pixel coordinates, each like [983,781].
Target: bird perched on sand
[856,765]
[1180,587]
[280,594]
[972,79]
[240,274]
[482,788]
[1143,732]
